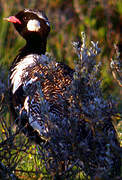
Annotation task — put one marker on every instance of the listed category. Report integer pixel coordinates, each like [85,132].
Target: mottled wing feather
[51,82]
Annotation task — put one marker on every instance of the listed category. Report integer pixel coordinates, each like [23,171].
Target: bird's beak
[12,19]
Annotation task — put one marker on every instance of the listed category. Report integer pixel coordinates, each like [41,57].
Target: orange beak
[13,19]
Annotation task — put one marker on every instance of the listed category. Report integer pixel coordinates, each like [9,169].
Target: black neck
[31,47]
[34,47]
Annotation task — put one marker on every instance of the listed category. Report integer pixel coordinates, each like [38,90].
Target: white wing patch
[19,71]
[33,25]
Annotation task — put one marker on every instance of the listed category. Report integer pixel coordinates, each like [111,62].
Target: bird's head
[31,24]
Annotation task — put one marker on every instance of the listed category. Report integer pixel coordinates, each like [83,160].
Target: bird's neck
[35,46]
[32,47]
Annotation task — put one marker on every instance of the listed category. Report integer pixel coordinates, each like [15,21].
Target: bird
[30,68]
[37,89]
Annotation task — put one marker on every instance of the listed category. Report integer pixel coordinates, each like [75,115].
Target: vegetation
[101,21]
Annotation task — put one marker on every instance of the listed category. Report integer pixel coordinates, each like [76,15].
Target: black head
[31,24]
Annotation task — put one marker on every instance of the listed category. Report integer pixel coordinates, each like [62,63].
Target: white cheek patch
[33,25]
